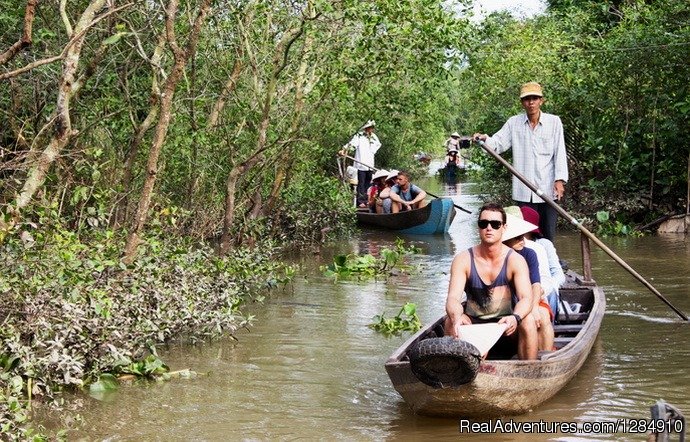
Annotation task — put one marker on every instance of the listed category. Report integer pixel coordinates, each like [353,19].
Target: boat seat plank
[567,328]
[561,342]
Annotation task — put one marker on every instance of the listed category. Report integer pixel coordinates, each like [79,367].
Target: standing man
[366,144]
[508,278]
[453,142]
[538,153]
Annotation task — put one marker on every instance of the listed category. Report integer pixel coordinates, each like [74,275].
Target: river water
[311,368]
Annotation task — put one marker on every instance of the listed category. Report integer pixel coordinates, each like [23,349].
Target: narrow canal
[311,368]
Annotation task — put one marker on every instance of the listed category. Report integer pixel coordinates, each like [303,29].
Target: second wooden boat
[436,217]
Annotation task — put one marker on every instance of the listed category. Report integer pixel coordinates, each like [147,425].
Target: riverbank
[71,312]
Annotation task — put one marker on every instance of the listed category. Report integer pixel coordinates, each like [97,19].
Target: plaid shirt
[539,154]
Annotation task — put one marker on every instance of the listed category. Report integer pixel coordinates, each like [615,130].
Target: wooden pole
[579,225]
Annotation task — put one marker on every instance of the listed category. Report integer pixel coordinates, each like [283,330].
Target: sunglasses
[484,223]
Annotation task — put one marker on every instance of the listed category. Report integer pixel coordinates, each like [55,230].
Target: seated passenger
[543,316]
[377,185]
[385,195]
[405,195]
[555,269]
[506,299]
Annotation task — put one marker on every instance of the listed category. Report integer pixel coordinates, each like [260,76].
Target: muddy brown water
[310,368]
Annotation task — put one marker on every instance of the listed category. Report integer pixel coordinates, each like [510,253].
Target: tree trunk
[280,58]
[231,189]
[141,130]
[284,161]
[227,90]
[63,125]
[181,58]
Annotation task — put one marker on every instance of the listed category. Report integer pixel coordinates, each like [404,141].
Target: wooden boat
[505,387]
[434,218]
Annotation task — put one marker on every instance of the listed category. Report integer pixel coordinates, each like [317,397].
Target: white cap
[392,174]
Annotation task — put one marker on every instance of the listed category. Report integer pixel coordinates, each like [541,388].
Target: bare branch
[65,18]
[77,39]
[25,40]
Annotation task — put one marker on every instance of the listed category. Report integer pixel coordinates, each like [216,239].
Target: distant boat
[501,387]
[434,218]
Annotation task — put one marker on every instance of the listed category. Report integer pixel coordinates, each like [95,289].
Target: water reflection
[311,368]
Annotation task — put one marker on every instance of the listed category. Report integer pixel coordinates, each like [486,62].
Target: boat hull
[435,218]
[502,387]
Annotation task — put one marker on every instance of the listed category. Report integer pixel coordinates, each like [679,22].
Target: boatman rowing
[538,145]
[366,144]
[508,274]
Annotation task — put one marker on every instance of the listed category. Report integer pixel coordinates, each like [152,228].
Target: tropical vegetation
[154,156]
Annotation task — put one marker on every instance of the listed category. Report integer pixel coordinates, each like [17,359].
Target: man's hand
[537,318]
[455,329]
[559,189]
[478,136]
[511,322]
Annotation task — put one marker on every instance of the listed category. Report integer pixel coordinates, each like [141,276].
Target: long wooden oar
[428,193]
[579,225]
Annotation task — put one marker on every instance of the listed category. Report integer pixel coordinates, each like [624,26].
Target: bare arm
[519,274]
[420,197]
[537,292]
[385,193]
[459,270]
[396,198]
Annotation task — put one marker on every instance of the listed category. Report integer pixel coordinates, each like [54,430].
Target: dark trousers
[363,183]
[547,218]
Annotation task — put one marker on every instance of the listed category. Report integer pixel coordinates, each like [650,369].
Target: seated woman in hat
[543,284]
[451,165]
[377,185]
[384,200]
[554,264]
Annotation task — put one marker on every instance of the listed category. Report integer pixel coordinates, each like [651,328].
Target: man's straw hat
[531,88]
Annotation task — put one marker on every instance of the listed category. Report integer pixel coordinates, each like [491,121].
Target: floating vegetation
[369,266]
[405,320]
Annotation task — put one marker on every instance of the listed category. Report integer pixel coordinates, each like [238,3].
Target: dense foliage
[616,73]
[72,311]
[132,131]
[405,320]
[367,266]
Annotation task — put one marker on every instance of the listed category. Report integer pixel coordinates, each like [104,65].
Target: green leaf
[114,38]
[106,382]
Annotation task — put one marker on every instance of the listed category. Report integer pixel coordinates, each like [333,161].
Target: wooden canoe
[434,218]
[508,387]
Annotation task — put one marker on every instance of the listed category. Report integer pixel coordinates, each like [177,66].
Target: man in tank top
[496,283]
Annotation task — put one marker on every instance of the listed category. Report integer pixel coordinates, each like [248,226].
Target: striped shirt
[539,154]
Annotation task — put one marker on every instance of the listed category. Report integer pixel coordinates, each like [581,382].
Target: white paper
[482,336]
